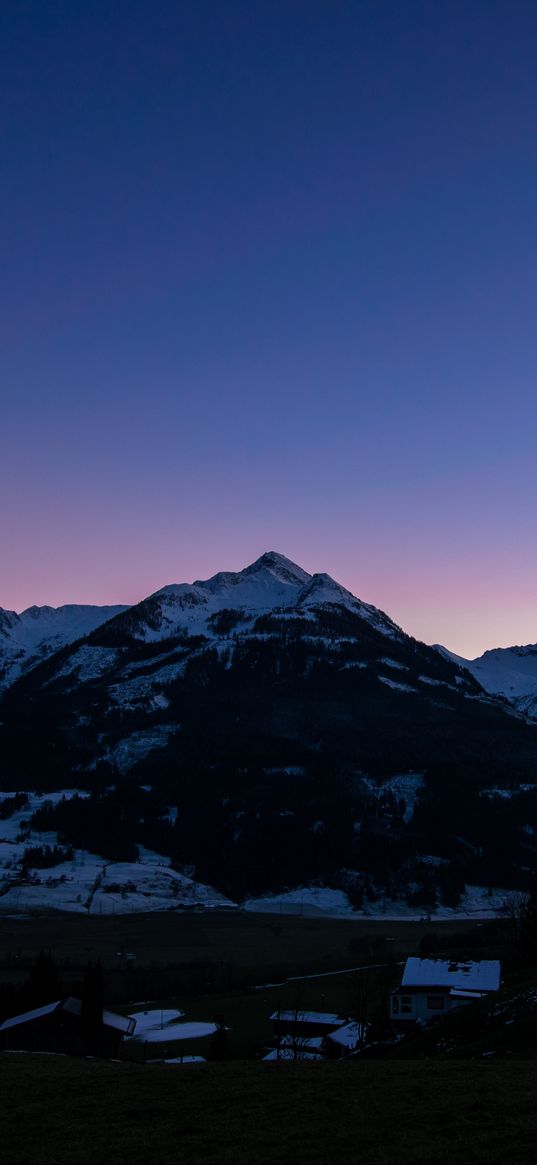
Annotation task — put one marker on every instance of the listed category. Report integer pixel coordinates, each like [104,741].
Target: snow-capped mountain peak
[280,567]
[209,608]
[271,583]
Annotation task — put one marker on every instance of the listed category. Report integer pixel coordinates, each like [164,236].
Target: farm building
[344,1039]
[313,1035]
[432,987]
[59,1027]
[297,1023]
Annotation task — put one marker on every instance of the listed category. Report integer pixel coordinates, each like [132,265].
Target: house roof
[28,1016]
[296,1015]
[122,1023]
[465,976]
[347,1036]
[455,994]
[314,1043]
[73,1006]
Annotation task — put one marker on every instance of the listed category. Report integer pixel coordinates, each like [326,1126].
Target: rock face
[266,729]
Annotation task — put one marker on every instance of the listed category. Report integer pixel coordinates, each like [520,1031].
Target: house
[432,987]
[58,1027]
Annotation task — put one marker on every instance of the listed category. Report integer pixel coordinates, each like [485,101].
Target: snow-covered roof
[348,1035]
[73,1006]
[482,976]
[122,1023]
[28,1016]
[314,1043]
[296,1015]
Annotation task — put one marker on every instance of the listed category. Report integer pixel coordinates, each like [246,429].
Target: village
[430,989]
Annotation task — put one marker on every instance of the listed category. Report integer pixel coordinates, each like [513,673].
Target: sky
[268,281]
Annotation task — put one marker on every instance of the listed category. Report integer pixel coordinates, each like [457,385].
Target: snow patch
[134,748]
[397,686]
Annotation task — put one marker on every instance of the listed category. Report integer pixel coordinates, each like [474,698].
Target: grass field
[170,939]
[247,1013]
[224,954]
[65,1112]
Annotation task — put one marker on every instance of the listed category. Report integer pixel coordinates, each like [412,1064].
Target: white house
[432,987]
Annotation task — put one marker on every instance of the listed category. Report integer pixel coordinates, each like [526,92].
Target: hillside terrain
[505,671]
[60,1111]
[28,638]
[262,731]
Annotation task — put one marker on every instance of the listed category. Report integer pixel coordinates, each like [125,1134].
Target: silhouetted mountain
[298,733]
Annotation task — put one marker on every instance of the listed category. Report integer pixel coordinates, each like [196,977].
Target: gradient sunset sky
[269,273]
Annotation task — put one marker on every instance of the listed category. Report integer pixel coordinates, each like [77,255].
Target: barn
[59,1027]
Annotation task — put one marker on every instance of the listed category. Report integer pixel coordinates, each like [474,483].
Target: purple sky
[269,282]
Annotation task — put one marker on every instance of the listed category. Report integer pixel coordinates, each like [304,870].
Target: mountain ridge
[37,632]
[509,672]
[296,733]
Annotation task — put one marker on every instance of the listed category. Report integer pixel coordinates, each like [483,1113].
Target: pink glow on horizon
[270,284]
[467,613]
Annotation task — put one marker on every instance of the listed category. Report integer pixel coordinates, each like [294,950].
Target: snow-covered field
[307,900]
[88,884]
[320,901]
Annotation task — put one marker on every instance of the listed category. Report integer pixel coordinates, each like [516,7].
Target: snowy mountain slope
[28,638]
[137,661]
[271,583]
[505,671]
[86,883]
[276,714]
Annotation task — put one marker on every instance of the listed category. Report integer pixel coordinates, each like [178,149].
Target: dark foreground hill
[64,1112]
[266,728]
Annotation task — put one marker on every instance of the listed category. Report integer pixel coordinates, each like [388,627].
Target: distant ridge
[505,671]
[28,638]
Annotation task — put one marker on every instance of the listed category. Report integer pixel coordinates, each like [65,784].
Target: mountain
[265,729]
[28,638]
[271,583]
[505,671]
